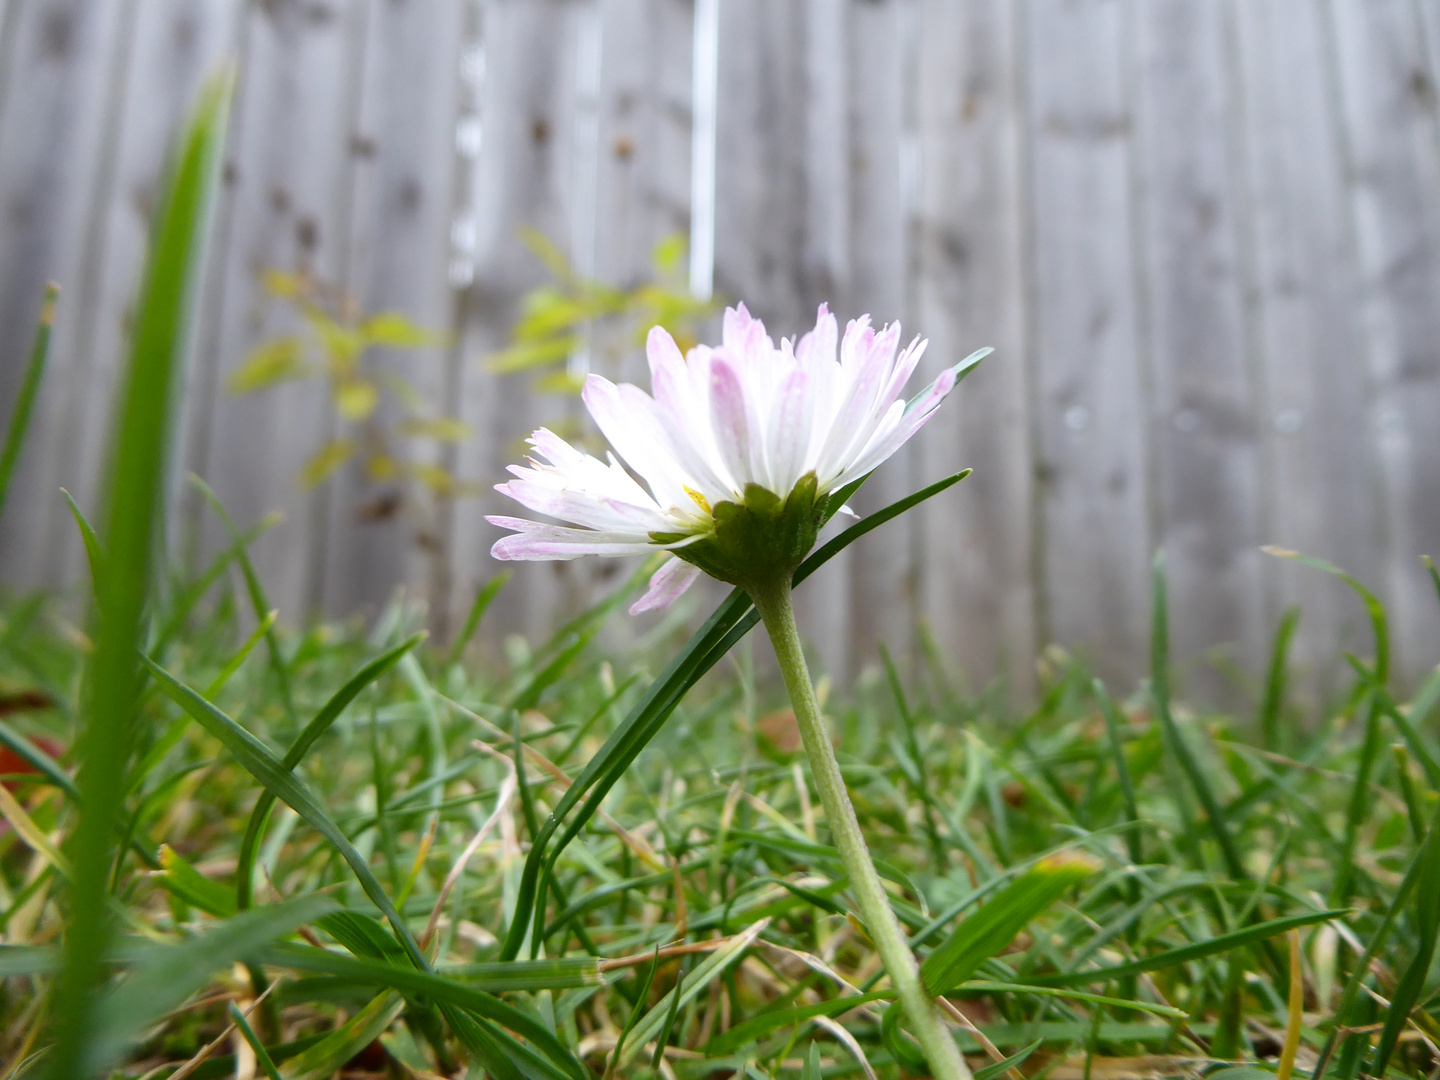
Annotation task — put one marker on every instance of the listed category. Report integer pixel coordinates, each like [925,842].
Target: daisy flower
[739,448]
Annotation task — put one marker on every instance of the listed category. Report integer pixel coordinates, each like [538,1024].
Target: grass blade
[262,1056]
[1373,608]
[24,408]
[988,931]
[135,492]
[1160,687]
[258,600]
[171,973]
[1272,704]
[299,748]
[483,599]
[1237,939]
[1427,920]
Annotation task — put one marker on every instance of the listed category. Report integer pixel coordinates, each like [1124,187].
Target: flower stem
[926,1021]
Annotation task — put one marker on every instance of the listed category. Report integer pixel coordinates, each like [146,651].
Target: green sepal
[760,540]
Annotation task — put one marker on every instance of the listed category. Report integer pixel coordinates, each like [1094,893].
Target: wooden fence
[1202,236]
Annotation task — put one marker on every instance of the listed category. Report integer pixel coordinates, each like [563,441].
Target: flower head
[740,449]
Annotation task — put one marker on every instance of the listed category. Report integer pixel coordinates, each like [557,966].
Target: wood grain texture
[289,173]
[1203,418]
[403,144]
[1089,394]
[63,62]
[976,557]
[1204,239]
[1319,493]
[1388,114]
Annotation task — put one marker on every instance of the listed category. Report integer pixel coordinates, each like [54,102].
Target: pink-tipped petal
[666,586]
[729,420]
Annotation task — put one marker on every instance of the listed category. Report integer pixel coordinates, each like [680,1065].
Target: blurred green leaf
[278,360]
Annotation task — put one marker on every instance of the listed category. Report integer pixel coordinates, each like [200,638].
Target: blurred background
[1203,237]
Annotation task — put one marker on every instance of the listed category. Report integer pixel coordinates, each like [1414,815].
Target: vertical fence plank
[977,591]
[878,94]
[1318,493]
[63,66]
[172,48]
[781,204]
[289,171]
[1388,109]
[384,533]
[1089,400]
[520,177]
[1204,455]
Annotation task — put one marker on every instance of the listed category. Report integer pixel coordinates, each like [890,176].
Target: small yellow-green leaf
[285,286]
[525,355]
[381,467]
[434,477]
[442,428]
[340,342]
[355,399]
[272,362]
[668,254]
[394,329]
[325,461]
[559,382]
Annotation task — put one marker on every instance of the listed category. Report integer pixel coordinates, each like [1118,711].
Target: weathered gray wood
[1388,108]
[291,154]
[1319,495]
[172,47]
[1088,395]
[1202,415]
[520,177]
[62,63]
[977,588]
[780,205]
[874,69]
[1204,238]
[402,204]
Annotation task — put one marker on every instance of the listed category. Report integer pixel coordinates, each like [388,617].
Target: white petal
[729,421]
[666,585]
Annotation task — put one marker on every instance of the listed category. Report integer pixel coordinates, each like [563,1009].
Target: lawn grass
[1193,851]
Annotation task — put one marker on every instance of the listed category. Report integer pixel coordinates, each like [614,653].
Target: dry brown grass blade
[1292,1022]
[507,791]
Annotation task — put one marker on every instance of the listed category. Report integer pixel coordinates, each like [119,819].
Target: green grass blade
[1379,625]
[179,613]
[307,738]
[1434,575]
[1014,1061]
[36,758]
[1111,716]
[259,602]
[94,556]
[731,621]
[756,1028]
[560,973]
[1237,939]
[1411,986]
[1358,809]
[171,973]
[706,972]
[423,984]
[133,512]
[262,1056]
[1160,688]
[988,931]
[24,409]
[483,599]
[257,759]
[1272,704]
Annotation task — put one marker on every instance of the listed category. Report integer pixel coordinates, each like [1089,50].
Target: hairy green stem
[926,1021]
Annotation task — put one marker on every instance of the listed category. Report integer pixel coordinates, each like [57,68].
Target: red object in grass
[12,764]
